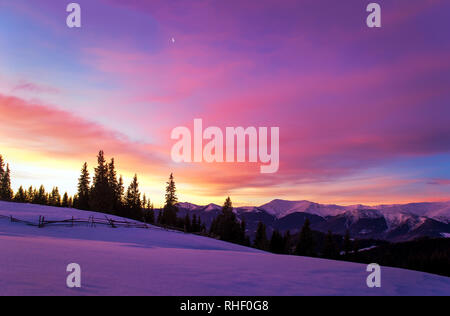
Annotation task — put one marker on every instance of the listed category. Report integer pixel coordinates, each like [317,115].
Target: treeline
[425,254]
[311,243]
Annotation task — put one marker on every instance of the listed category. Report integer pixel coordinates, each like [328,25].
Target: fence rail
[93,221]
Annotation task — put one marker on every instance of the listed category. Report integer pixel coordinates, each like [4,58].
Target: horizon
[362,114]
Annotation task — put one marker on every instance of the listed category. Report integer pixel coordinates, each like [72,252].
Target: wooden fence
[93,222]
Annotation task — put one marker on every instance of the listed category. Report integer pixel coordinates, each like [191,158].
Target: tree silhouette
[82,197]
[101,196]
[305,246]
[170,210]
[6,193]
[133,204]
[261,241]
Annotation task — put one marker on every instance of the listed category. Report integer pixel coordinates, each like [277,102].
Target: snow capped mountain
[392,222]
[282,208]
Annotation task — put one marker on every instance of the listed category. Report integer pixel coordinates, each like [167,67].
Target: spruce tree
[20,196]
[330,250]
[100,198]
[187,223]
[170,210]
[305,246]
[119,195]
[65,200]
[30,194]
[277,243]
[54,197]
[41,197]
[114,186]
[133,204]
[287,242]
[2,168]
[6,193]
[149,213]
[261,241]
[82,197]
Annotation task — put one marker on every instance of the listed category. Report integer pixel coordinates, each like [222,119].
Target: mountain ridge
[395,222]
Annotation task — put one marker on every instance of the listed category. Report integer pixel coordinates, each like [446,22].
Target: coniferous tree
[21,195]
[114,186]
[100,198]
[2,168]
[54,198]
[305,246]
[82,197]
[6,193]
[187,223]
[40,196]
[65,200]
[170,210]
[330,249]
[261,241]
[159,219]
[144,201]
[287,242]
[133,204]
[70,202]
[277,243]
[120,194]
[30,194]
[149,213]
[226,226]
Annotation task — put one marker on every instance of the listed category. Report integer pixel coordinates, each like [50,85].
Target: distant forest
[106,194]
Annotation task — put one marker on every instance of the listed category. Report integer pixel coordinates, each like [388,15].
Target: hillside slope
[136,261]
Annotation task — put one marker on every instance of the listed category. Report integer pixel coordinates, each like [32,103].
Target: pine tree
[305,246]
[114,186]
[65,200]
[20,196]
[330,249]
[30,195]
[82,197]
[133,204]
[170,210]
[2,168]
[277,243]
[40,196]
[70,202]
[261,241]
[100,198]
[54,197]
[226,226]
[187,223]
[144,201]
[120,194]
[150,213]
[6,193]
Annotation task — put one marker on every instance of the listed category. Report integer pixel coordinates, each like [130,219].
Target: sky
[363,112]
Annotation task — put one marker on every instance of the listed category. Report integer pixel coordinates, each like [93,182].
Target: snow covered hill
[136,261]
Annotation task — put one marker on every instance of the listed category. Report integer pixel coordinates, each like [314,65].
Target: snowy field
[135,261]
